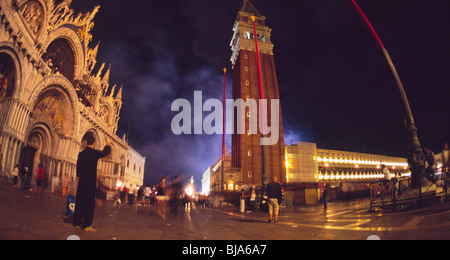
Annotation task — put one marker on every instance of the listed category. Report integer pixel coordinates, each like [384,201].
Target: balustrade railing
[399,193]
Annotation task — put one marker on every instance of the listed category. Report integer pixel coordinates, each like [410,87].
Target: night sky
[336,87]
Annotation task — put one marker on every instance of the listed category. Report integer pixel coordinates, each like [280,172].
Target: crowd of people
[22,178]
[133,194]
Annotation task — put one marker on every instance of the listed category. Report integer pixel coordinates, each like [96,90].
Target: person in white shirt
[55,185]
[147,194]
[387,177]
[387,174]
[252,200]
[131,194]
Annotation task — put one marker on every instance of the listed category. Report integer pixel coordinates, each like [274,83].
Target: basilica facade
[53,94]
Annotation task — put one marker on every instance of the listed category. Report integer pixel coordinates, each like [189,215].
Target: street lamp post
[416,157]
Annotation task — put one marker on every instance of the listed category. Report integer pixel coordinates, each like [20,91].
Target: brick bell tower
[259,164]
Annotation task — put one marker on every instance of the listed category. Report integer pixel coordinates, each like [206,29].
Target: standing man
[87,184]
[431,163]
[325,198]
[274,194]
[23,177]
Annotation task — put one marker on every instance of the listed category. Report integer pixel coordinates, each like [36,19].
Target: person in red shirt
[40,179]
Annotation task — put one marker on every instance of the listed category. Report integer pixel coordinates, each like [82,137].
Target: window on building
[262,38]
[251,36]
[230,185]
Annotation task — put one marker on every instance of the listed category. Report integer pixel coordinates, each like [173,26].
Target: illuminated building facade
[51,99]
[134,170]
[206,181]
[306,163]
[212,180]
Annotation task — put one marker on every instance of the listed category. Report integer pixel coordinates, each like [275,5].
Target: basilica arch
[34,14]
[10,81]
[8,75]
[38,148]
[53,107]
[64,48]
[40,138]
[91,132]
[60,58]
[64,96]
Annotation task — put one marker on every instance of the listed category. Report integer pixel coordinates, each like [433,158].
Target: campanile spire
[249,8]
